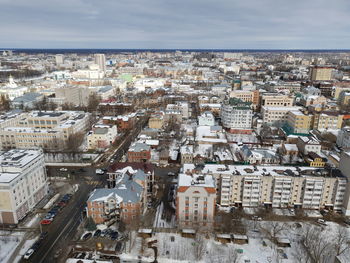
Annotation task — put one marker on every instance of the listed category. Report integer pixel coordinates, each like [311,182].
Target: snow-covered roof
[196,180]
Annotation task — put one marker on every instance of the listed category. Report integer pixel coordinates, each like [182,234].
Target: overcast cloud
[229,24]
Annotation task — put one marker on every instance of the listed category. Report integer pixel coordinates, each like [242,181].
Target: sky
[175,24]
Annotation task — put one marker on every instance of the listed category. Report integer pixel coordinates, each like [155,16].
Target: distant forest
[18,74]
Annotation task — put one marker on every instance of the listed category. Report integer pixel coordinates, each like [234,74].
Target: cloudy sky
[228,24]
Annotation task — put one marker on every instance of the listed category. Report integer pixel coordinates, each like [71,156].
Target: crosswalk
[93,182]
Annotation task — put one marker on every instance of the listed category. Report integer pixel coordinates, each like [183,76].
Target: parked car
[347,221]
[62,204]
[171,174]
[49,217]
[57,253]
[100,171]
[321,221]
[256,218]
[46,222]
[114,235]
[43,235]
[36,245]
[29,253]
[63,169]
[86,236]
[97,233]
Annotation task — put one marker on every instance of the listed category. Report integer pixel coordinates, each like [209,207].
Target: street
[62,229]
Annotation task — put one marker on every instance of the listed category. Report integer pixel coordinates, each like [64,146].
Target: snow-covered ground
[162,223]
[33,221]
[27,244]
[8,244]
[172,247]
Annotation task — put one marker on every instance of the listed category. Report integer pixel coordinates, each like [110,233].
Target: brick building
[139,152]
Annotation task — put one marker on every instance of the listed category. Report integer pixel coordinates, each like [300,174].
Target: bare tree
[200,247]
[74,141]
[273,229]
[232,255]
[93,102]
[5,103]
[341,241]
[316,246]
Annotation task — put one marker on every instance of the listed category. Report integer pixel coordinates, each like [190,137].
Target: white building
[59,59]
[273,114]
[23,183]
[101,137]
[100,60]
[276,186]
[343,139]
[206,119]
[181,107]
[49,130]
[196,200]
[307,145]
[12,90]
[236,115]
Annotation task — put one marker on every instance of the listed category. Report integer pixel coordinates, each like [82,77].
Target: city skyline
[181,25]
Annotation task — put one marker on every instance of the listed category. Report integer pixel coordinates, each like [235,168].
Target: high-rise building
[59,59]
[320,73]
[23,183]
[100,60]
[236,115]
[195,200]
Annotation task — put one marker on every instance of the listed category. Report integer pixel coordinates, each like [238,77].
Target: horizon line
[186,49]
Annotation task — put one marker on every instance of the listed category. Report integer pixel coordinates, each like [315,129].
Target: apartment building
[76,95]
[139,152]
[236,116]
[123,122]
[101,136]
[23,183]
[247,96]
[307,145]
[186,154]
[327,121]
[320,73]
[156,121]
[49,130]
[344,167]
[343,138]
[143,174]
[299,122]
[115,108]
[274,114]
[344,98]
[180,106]
[195,200]
[123,203]
[276,100]
[275,186]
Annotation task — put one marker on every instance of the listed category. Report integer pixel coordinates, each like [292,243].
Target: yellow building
[299,122]
[276,100]
[314,160]
[320,73]
[327,120]
[156,122]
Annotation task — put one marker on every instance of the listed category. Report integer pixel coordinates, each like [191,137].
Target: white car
[321,221]
[29,253]
[100,171]
[63,169]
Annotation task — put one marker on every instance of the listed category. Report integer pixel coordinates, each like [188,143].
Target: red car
[45,222]
[61,204]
